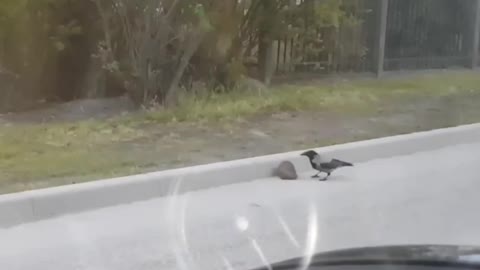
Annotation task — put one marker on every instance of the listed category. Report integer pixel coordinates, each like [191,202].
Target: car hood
[412,254]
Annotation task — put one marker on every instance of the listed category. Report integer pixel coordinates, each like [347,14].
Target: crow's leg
[326,177]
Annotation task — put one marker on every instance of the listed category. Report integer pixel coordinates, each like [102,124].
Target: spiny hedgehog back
[286,171]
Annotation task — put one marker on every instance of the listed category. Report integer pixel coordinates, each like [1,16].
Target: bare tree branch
[158,45]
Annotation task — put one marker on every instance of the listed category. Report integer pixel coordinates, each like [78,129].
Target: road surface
[424,198]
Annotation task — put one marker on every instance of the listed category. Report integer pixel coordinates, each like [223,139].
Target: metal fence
[387,35]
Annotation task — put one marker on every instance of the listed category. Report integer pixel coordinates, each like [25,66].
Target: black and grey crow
[324,166]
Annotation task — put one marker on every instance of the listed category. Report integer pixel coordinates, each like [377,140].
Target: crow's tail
[342,163]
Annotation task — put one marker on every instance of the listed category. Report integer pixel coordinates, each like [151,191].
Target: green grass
[33,153]
[345,96]
[30,152]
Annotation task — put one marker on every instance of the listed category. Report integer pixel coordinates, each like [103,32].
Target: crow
[324,166]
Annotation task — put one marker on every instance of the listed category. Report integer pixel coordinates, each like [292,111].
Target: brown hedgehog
[286,171]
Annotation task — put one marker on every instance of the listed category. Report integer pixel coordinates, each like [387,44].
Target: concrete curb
[36,205]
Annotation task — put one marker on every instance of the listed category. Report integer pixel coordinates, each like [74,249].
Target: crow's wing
[329,165]
[334,164]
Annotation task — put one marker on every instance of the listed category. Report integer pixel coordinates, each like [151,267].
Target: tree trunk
[265,58]
[94,85]
[171,96]
[265,40]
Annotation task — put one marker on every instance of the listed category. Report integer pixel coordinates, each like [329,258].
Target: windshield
[234,134]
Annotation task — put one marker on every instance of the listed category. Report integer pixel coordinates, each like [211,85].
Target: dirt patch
[191,144]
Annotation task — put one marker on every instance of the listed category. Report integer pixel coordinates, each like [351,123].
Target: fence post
[380,37]
[475,34]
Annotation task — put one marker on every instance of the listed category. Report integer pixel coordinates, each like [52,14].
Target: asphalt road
[424,198]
